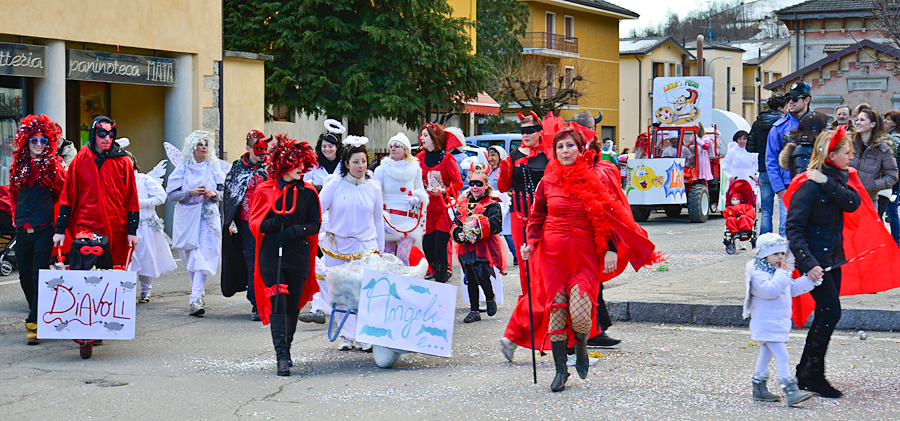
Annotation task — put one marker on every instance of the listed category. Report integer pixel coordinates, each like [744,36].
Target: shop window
[282,113]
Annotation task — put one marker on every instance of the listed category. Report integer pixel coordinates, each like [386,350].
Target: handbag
[88,253]
[186,227]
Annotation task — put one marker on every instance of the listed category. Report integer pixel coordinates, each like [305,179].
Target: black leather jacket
[759,132]
[816,219]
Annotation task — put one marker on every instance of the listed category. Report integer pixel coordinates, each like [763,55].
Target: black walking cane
[528,288]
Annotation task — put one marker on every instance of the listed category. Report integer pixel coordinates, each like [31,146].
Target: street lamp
[710,62]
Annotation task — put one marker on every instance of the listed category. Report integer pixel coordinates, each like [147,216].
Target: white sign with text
[406,313]
[86,304]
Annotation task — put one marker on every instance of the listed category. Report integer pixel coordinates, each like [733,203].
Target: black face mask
[476,183]
[529,129]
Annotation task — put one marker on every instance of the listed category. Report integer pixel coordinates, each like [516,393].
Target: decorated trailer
[672,172]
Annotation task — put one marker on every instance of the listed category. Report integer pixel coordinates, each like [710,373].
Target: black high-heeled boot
[816,381]
[559,360]
[291,327]
[277,323]
[582,362]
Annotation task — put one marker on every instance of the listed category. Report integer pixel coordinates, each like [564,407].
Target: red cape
[863,231]
[263,199]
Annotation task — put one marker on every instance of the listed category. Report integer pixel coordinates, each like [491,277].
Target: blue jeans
[767,207]
[894,219]
[512,247]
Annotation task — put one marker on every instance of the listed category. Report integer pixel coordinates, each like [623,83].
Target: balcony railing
[545,43]
[749,93]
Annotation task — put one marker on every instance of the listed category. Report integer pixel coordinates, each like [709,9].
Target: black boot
[277,323]
[582,362]
[814,373]
[291,328]
[559,360]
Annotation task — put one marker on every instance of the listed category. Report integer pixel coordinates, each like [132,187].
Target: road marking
[8,282]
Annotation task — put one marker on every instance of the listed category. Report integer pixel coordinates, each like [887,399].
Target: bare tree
[527,85]
[888,14]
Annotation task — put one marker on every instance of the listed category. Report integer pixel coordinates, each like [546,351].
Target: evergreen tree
[359,59]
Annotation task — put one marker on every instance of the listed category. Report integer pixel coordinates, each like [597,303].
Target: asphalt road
[221,366]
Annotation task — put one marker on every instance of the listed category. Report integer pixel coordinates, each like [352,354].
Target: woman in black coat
[814,229]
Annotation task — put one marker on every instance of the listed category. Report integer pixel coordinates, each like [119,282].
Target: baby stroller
[7,234]
[748,232]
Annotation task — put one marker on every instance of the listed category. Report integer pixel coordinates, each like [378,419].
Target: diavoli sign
[120,68]
[22,60]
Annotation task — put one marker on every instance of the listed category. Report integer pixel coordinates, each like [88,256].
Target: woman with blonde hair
[405,198]
[814,230]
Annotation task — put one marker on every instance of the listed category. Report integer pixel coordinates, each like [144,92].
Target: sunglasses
[104,133]
[36,140]
[529,129]
[476,183]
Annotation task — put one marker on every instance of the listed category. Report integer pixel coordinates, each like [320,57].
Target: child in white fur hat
[768,304]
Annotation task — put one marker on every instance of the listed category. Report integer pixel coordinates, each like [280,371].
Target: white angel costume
[354,206]
[152,256]
[405,201]
[201,258]
[741,164]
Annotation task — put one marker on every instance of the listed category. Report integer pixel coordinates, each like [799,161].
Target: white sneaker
[346,344]
[571,360]
[364,347]
[196,309]
[507,348]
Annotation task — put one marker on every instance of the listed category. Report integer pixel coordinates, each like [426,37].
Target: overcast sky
[653,11]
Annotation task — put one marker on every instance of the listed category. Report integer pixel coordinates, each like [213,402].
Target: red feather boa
[44,164]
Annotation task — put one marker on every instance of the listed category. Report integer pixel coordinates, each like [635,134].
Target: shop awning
[484,104]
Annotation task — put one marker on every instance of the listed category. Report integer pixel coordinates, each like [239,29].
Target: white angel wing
[173,153]
[159,171]
[123,142]
[226,166]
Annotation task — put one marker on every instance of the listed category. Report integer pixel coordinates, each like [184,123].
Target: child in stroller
[7,234]
[740,216]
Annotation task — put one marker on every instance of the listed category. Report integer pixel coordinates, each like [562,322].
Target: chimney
[701,68]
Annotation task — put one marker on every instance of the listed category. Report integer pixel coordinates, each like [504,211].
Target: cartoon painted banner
[406,313]
[86,304]
[682,101]
[655,181]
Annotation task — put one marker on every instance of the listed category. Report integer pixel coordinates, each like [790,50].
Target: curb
[730,315]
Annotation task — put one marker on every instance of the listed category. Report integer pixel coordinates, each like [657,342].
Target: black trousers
[435,244]
[827,315]
[478,274]
[603,319]
[294,278]
[33,254]
[248,243]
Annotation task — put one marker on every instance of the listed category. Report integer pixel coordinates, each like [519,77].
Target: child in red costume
[100,194]
[285,217]
[36,178]
[479,219]
[739,217]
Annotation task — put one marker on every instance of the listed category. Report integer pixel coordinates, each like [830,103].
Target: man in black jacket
[238,244]
[757,143]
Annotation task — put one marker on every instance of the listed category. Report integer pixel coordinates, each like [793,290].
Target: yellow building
[578,37]
[641,60]
[765,61]
[155,67]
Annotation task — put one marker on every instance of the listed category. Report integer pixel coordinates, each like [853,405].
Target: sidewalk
[713,294]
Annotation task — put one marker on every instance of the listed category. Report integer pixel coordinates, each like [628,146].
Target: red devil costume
[580,213]
[100,196]
[285,220]
[480,249]
[739,217]
[35,184]
[827,223]
[520,175]
[439,170]
[238,248]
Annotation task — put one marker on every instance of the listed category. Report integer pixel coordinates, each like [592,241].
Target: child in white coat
[768,304]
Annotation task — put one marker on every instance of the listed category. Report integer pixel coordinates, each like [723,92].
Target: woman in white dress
[197,233]
[740,164]
[152,256]
[405,198]
[354,206]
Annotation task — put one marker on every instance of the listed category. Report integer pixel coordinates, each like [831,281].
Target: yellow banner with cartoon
[656,181]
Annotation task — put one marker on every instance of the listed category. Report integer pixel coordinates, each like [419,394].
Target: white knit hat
[500,151]
[769,244]
[403,141]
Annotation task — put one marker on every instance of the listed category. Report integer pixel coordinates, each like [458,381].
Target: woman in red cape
[827,223]
[285,217]
[587,236]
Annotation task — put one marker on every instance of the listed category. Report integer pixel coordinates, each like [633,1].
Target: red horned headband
[837,137]
[533,115]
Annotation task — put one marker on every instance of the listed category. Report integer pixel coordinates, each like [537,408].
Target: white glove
[817,176]
[413,200]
